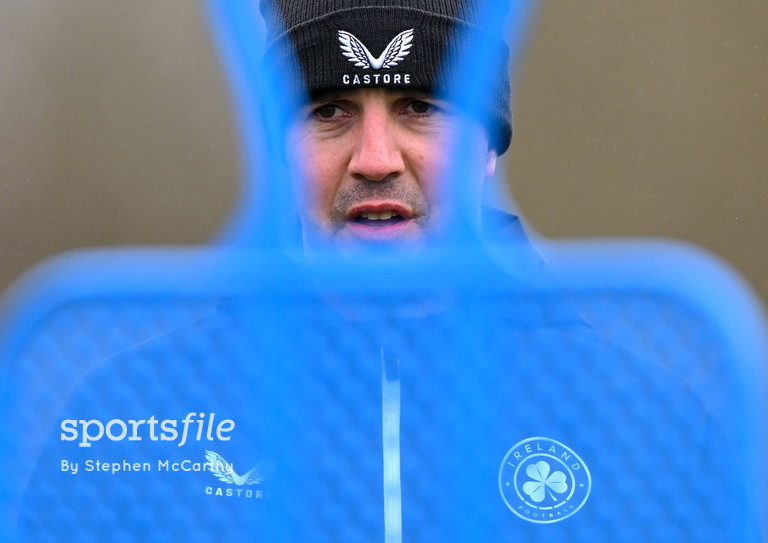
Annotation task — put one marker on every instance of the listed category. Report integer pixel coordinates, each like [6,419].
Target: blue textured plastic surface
[293,355]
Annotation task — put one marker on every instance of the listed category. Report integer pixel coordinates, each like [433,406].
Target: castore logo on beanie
[393,54]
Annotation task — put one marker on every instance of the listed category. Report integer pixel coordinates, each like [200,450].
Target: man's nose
[377,155]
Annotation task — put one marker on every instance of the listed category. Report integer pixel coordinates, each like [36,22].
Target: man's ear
[490,163]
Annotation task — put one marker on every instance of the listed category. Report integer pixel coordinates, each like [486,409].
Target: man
[374,136]
[373,141]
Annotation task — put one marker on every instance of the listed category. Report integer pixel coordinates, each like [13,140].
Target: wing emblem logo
[225,472]
[357,53]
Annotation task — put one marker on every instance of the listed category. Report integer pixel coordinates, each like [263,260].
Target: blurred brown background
[632,118]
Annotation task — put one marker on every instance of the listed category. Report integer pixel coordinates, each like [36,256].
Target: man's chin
[404,230]
[356,235]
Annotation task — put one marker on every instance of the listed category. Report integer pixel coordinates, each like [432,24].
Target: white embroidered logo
[393,54]
[543,481]
[237,486]
[225,472]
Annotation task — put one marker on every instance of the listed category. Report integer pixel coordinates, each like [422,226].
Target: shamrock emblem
[544,482]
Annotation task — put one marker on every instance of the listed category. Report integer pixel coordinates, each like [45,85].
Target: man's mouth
[381,221]
[374,219]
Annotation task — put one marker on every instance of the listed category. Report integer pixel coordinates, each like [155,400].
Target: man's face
[375,162]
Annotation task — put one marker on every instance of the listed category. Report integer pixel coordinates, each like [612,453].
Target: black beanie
[348,44]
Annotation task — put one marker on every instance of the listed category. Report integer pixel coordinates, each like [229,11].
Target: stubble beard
[391,190]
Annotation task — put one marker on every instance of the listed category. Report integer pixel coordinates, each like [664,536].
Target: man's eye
[420,107]
[327,111]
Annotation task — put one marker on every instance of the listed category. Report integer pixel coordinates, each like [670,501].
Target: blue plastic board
[497,414]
